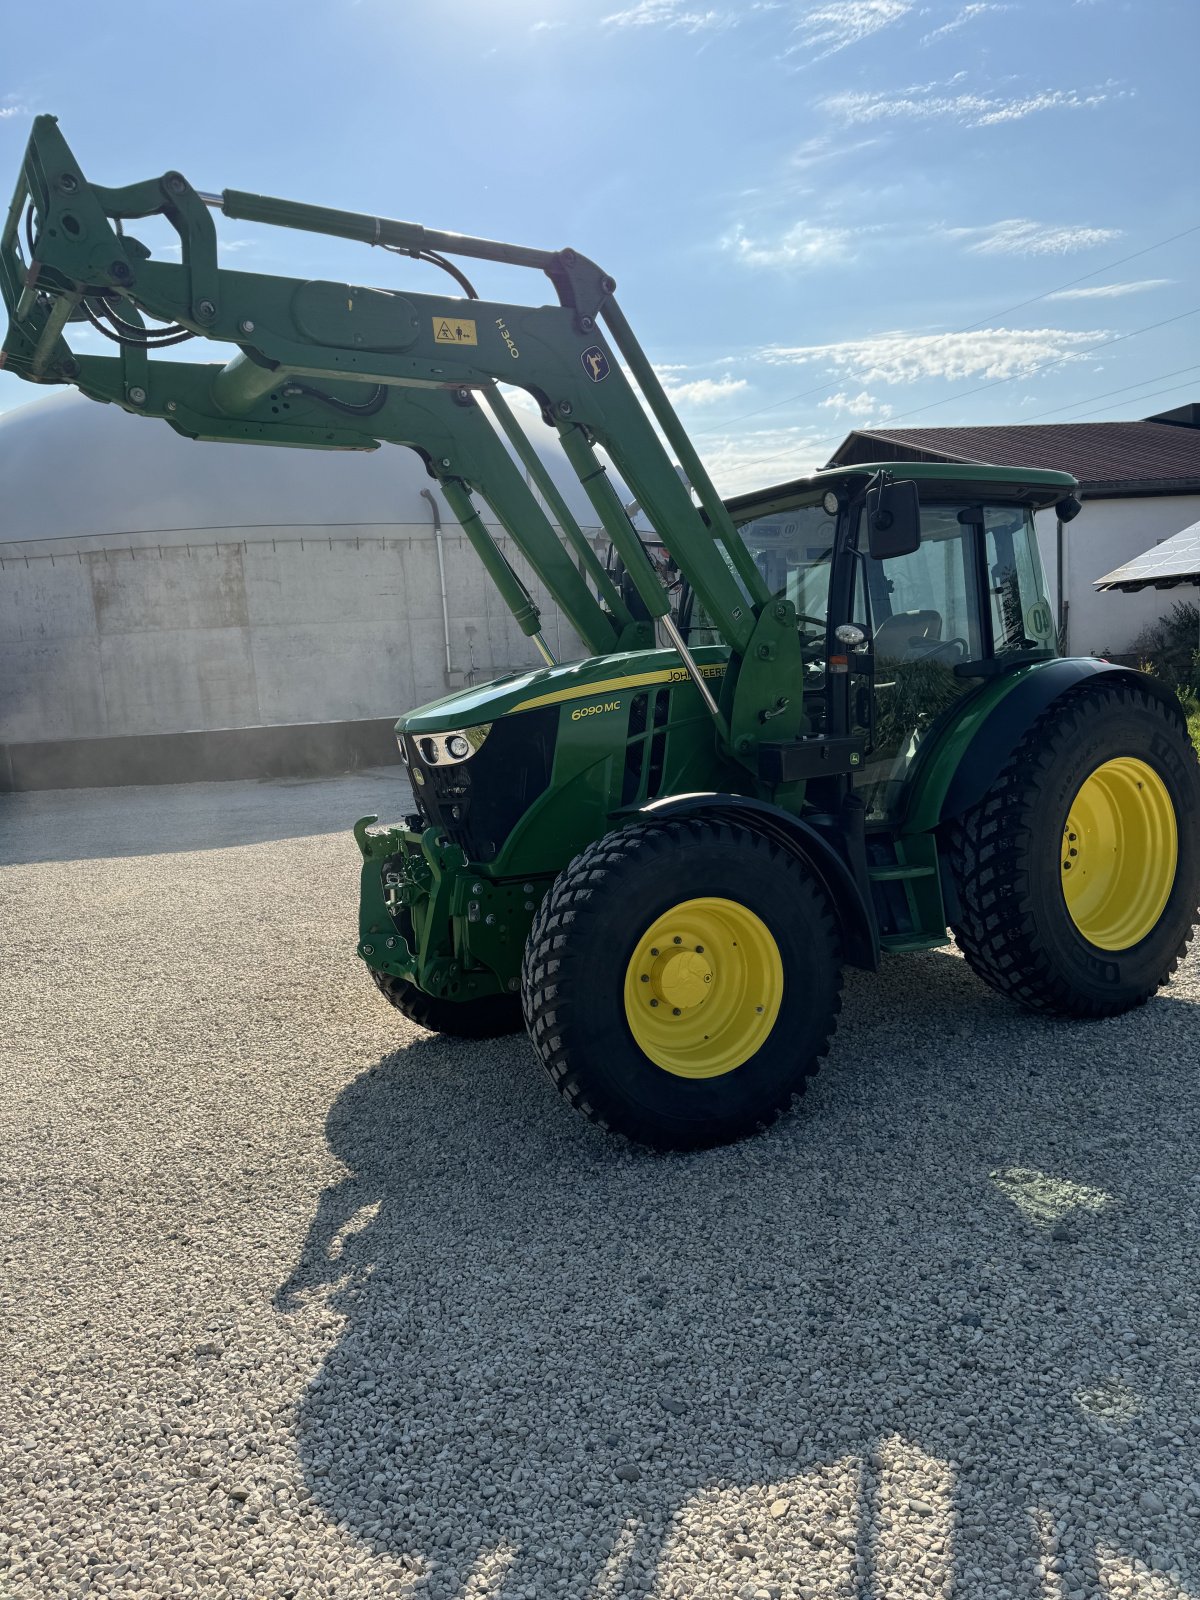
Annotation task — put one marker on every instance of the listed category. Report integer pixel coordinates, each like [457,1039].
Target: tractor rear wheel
[486,1018]
[682,982]
[1078,875]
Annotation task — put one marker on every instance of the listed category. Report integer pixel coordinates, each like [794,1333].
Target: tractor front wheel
[1078,875]
[681,982]
[486,1018]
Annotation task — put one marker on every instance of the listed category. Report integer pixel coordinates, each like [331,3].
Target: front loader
[853,734]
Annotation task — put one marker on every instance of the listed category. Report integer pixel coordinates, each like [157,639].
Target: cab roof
[942,480]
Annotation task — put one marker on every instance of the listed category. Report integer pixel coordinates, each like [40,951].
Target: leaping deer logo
[595,364]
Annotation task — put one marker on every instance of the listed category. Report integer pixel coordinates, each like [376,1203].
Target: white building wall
[231,633]
[149,584]
[1105,534]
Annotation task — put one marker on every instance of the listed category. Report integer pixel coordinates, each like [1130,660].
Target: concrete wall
[1104,535]
[307,626]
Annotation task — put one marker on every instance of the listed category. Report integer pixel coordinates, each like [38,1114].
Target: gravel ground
[300,1301]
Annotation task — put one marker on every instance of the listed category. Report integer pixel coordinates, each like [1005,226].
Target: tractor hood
[576,680]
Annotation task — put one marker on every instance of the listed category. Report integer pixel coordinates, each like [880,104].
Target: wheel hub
[1120,850]
[681,978]
[703,987]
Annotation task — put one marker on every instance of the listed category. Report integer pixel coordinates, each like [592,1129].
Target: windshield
[793,550]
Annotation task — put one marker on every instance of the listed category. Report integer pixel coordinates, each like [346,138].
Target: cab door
[925,621]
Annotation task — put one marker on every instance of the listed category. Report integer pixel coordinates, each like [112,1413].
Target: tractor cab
[898,625]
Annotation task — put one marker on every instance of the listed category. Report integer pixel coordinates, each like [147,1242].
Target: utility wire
[997,382]
[1099,272]
[1108,393]
[1172,389]
[1054,361]
[823,388]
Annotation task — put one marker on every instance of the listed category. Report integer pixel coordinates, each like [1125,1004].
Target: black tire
[584,938]
[488,1018]
[1006,858]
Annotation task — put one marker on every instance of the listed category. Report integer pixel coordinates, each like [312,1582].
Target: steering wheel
[953,650]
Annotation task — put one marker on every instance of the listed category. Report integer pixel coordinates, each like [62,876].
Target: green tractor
[842,729]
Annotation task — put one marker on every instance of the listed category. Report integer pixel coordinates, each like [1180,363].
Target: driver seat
[907,635]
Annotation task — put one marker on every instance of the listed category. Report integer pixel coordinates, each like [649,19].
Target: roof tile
[1099,454]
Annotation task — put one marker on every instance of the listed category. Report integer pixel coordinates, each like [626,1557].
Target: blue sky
[820,213]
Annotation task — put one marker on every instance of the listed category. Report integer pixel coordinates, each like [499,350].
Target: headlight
[445,749]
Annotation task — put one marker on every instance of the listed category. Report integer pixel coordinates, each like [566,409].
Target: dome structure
[70,468]
[152,586]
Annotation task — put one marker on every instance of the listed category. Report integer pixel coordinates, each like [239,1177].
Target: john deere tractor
[850,735]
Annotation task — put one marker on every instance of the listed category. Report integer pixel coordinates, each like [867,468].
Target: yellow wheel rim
[703,988]
[1120,850]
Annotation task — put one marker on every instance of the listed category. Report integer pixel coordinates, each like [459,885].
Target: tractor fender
[856,918]
[1002,730]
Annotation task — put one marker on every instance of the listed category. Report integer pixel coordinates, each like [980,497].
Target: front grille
[477,803]
[645,754]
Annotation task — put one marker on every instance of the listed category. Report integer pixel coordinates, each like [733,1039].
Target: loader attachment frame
[328,365]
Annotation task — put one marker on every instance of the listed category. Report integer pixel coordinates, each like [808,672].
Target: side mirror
[893,512]
[1068,508]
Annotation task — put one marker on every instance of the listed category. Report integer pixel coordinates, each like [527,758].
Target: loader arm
[327,365]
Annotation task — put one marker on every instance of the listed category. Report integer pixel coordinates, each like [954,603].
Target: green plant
[1167,649]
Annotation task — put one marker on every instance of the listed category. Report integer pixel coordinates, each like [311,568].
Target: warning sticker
[454,330]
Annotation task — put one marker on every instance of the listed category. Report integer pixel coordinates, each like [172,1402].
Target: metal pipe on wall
[437,536]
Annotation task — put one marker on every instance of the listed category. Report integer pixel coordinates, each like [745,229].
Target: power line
[1108,393]
[1099,272]
[823,388]
[1041,367]
[1173,389]
[1055,361]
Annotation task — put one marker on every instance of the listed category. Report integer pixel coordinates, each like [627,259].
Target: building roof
[1154,456]
[1163,566]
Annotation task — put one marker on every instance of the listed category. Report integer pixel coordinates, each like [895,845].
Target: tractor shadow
[932,1311]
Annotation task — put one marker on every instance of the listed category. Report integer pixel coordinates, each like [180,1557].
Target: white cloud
[908,357]
[1110,291]
[832,26]
[700,391]
[859,407]
[822,148]
[545,26]
[663,14]
[921,103]
[804,244]
[967,14]
[738,462]
[1017,236]
[12,109]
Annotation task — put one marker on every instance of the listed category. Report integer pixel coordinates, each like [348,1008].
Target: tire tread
[581,884]
[991,850]
[489,1017]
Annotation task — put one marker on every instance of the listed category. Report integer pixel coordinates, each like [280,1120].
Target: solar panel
[1176,560]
